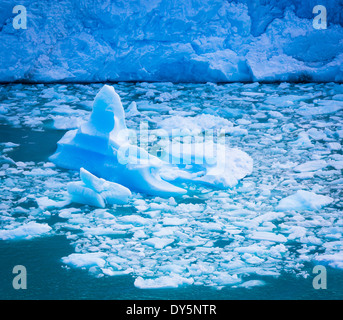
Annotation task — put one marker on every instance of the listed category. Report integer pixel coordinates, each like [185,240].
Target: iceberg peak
[108,117]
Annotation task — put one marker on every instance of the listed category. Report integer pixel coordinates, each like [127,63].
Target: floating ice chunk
[81,194]
[231,165]
[338,97]
[334,260]
[334,146]
[96,191]
[132,110]
[166,96]
[100,145]
[158,243]
[135,220]
[171,281]
[92,182]
[9,144]
[45,203]
[285,100]
[224,278]
[26,231]
[148,106]
[87,260]
[167,231]
[296,232]
[198,123]
[64,123]
[303,200]
[303,141]
[174,221]
[268,236]
[311,166]
[217,164]
[40,172]
[251,283]
[326,107]
[102,231]
[316,134]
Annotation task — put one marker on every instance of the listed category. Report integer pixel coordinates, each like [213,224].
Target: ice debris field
[269,204]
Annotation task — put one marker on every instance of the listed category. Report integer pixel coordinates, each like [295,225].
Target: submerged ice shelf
[209,236]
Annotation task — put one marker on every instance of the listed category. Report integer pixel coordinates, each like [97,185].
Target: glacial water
[212,243]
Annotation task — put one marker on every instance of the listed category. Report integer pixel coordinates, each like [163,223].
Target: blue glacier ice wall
[165,40]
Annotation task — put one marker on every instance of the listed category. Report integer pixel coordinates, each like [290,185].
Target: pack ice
[111,165]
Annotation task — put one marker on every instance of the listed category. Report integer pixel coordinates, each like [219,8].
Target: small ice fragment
[45,203]
[132,110]
[303,200]
[91,259]
[26,231]
[174,221]
[334,146]
[268,236]
[82,194]
[158,243]
[251,283]
[334,260]
[311,166]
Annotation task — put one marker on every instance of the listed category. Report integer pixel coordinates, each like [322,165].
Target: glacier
[160,40]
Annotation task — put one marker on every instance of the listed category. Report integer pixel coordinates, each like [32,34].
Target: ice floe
[303,200]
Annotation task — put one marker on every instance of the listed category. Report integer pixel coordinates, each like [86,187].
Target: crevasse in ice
[101,148]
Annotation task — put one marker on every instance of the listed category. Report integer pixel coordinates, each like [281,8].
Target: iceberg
[96,144]
[27,230]
[111,165]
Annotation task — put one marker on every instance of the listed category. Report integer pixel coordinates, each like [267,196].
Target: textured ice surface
[159,40]
[24,231]
[213,237]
